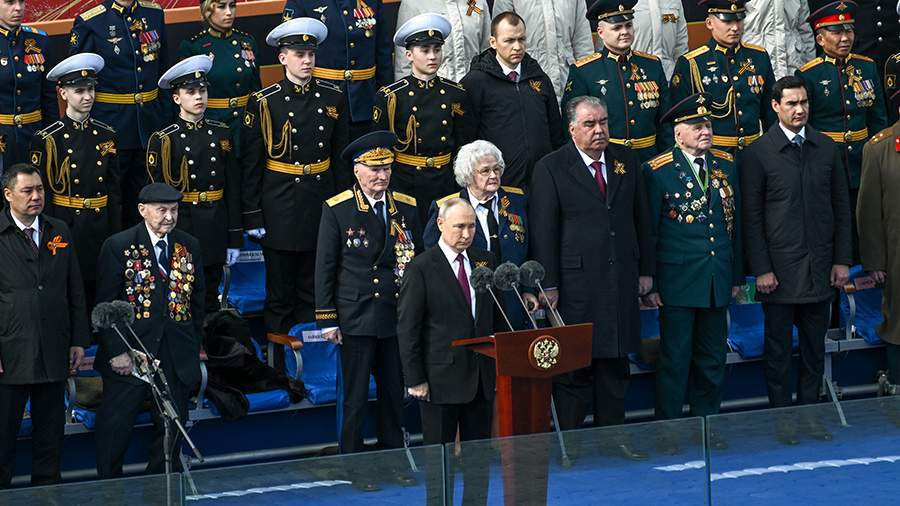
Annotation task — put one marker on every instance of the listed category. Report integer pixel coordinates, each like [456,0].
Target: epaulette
[216,123]
[394,87]
[725,155]
[31,29]
[860,57]
[102,125]
[268,90]
[645,55]
[454,84]
[402,197]
[241,32]
[340,197]
[810,64]
[150,5]
[169,130]
[584,60]
[661,160]
[50,130]
[887,132]
[753,46]
[690,55]
[329,85]
[90,13]
[441,200]
[513,189]
[197,35]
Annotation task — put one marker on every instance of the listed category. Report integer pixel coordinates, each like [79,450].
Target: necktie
[798,141]
[379,211]
[493,228]
[622,59]
[598,177]
[29,231]
[701,171]
[163,258]
[513,76]
[463,279]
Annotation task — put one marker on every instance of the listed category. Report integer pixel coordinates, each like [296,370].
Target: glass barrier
[378,477]
[646,463]
[816,454]
[156,490]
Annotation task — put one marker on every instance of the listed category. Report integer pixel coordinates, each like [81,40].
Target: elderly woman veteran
[502,224]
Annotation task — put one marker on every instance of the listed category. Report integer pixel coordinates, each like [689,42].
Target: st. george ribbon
[481,279]
[531,273]
[506,277]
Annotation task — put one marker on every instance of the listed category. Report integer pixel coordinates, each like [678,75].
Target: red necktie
[463,279]
[598,177]
[513,76]
[29,232]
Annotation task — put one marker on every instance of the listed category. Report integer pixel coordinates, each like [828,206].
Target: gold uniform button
[377,295]
[712,239]
[712,253]
[375,281]
[77,181]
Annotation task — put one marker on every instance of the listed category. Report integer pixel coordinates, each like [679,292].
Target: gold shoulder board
[810,64]
[581,62]
[661,160]
[722,154]
[340,197]
[402,197]
[513,189]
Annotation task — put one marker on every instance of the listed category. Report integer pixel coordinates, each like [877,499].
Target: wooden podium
[526,362]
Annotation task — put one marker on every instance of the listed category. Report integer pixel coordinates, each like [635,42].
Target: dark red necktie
[463,279]
[29,232]
[513,76]
[598,177]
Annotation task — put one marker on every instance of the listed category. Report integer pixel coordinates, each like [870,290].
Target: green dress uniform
[634,88]
[696,216]
[234,74]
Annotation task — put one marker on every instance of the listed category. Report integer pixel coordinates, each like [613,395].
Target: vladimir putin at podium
[438,305]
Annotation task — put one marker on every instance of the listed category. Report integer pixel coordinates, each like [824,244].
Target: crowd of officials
[385,167]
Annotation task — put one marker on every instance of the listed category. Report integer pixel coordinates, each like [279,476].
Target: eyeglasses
[488,171]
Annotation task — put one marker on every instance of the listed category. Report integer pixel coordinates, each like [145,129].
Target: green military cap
[891,86]
[726,10]
[834,17]
[692,109]
[611,11]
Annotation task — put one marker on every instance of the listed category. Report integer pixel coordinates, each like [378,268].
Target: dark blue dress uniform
[27,100]
[233,76]
[739,80]
[696,217]
[358,56]
[510,207]
[632,84]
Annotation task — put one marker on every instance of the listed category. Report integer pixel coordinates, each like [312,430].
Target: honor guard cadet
[737,75]
[633,84]
[235,71]
[130,36]
[693,193]
[367,237]
[195,155]
[293,134]
[27,100]
[426,111]
[79,162]
[846,100]
[358,57]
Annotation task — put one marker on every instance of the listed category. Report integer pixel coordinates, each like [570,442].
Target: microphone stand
[554,313]
[499,306]
[515,287]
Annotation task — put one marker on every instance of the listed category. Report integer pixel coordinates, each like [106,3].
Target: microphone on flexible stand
[481,279]
[506,277]
[108,316]
[531,273]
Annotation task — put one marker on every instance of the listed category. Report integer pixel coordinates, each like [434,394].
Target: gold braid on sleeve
[275,151]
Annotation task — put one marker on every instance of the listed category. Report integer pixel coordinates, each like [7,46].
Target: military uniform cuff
[326,318]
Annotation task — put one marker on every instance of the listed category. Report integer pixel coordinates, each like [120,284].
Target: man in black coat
[513,101]
[43,323]
[455,386]
[590,228]
[796,216]
[158,270]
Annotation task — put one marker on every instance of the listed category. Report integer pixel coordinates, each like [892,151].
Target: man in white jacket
[558,34]
[661,30]
[780,26]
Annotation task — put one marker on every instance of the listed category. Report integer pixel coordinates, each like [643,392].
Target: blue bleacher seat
[248,280]
[259,401]
[867,315]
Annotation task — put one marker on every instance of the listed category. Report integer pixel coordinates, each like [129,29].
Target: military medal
[365,17]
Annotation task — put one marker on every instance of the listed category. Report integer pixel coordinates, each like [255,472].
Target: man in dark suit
[590,228]
[367,237]
[158,270]
[43,323]
[796,212]
[438,305]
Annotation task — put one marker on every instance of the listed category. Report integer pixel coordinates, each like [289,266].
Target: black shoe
[625,451]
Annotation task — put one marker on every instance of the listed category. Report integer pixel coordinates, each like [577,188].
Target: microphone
[506,277]
[481,279]
[531,273]
[109,315]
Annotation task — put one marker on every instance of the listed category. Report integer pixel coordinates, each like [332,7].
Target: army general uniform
[633,85]
[429,118]
[846,100]
[131,41]
[27,100]
[198,160]
[233,76]
[695,211]
[739,80]
[364,247]
[79,163]
[293,136]
[358,56]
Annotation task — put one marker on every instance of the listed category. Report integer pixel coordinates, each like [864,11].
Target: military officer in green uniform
[693,194]
[738,77]
[632,83]
[426,112]
[234,73]
[846,100]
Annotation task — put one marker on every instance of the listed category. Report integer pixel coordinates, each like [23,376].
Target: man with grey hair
[590,228]
[500,211]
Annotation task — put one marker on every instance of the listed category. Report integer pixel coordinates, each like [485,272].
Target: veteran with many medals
[156,269]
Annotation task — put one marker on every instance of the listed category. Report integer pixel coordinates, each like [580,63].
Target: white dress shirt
[454,265]
[506,70]
[588,161]
[36,226]
[373,200]
[481,214]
